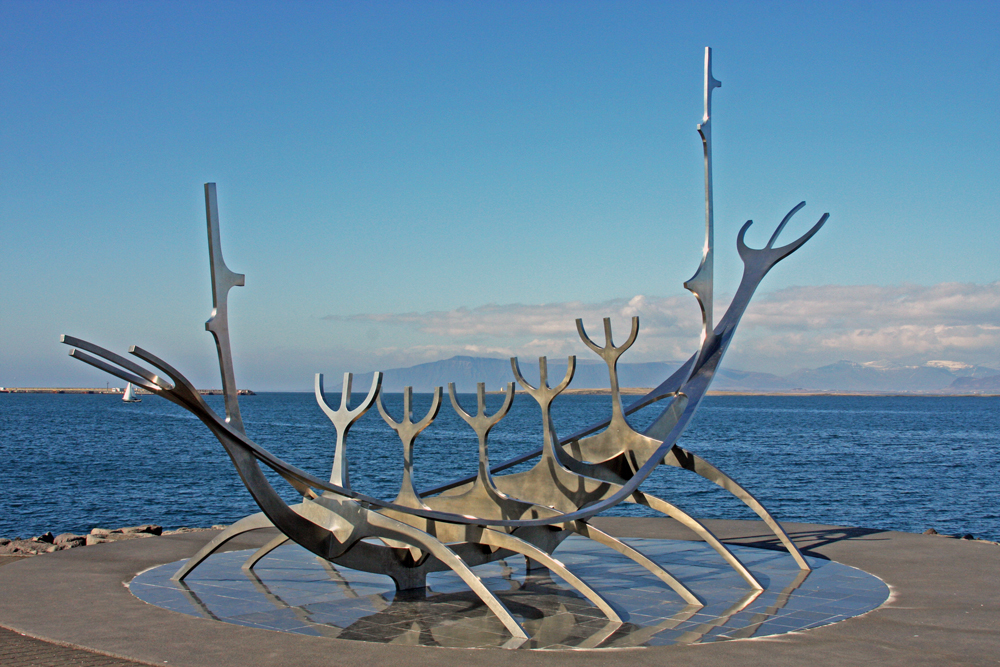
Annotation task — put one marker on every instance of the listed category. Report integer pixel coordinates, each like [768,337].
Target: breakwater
[103,390]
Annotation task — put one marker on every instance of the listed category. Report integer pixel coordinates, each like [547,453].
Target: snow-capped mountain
[932,376]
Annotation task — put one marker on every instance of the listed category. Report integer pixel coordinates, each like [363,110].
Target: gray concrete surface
[944,610]
[17,650]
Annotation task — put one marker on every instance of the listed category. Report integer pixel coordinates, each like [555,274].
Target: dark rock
[930,531]
[4,541]
[968,536]
[149,529]
[46,538]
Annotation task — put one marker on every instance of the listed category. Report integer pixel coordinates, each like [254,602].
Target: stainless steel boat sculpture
[489,515]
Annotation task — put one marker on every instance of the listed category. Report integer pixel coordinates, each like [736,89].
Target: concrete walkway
[945,610]
[17,650]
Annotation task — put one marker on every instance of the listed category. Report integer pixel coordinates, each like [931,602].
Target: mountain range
[843,376]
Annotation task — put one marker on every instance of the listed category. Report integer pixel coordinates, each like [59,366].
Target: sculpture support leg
[507,541]
[400,531]
[663,507]
[601,537]
[244,525]
[263,551]
[682,458]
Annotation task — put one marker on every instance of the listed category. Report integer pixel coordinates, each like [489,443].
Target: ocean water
[69,463]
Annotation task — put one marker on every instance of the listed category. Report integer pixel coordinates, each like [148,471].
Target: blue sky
[402,182]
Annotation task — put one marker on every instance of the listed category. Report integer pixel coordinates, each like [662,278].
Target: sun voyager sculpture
[490,515]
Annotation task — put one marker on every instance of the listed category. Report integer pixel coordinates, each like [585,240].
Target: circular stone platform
[943,608]
[293,591]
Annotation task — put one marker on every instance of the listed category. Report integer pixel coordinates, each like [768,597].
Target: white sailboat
[130,395]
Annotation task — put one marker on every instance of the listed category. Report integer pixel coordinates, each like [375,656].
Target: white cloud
[797,326]
[814,325]
[669,329]
[876,307]
[552,319]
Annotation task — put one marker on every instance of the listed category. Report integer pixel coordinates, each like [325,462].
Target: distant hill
[933,376]
[989,384]
[850,376]
[880,377]
[465,372]
[727,379]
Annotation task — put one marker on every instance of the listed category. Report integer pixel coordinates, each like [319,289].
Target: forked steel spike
[343,418]
[558,476]
[544,395]
[781,225]
[543,389]
[406,427]
[482,423]
[609,352]
[763,260]
[408,432]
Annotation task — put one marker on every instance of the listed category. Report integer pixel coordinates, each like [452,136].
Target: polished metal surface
[702,283]
[293,591]
[218,324]
[489,516]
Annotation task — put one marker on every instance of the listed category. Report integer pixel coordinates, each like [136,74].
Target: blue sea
[74,462]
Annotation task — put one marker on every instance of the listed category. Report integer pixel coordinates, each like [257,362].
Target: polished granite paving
[293,591]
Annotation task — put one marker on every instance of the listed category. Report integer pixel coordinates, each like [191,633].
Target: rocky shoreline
[48,543]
